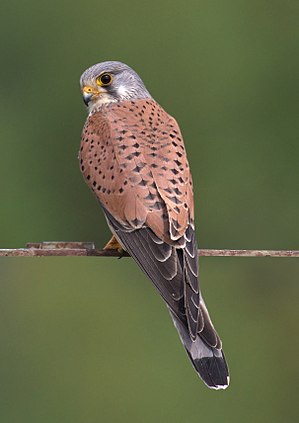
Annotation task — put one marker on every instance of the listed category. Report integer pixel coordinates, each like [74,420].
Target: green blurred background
[89,340]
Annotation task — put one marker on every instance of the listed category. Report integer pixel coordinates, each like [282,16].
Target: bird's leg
[113,244]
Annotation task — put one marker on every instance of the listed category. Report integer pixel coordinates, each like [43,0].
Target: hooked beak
[89,93]
[87,97]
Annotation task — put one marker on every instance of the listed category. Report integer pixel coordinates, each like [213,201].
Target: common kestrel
[133,157]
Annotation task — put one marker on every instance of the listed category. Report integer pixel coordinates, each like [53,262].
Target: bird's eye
[104,79]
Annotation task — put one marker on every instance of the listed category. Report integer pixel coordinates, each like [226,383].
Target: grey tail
[209,362]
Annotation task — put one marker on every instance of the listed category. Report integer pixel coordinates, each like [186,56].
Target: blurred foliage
[86,339]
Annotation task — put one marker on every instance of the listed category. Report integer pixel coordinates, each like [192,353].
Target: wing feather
[136,165]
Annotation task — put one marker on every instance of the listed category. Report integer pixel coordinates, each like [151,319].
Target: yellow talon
[113,244]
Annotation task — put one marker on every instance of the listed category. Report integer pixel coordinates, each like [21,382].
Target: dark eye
[104,79]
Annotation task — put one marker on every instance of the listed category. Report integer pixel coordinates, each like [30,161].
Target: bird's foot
[113,244]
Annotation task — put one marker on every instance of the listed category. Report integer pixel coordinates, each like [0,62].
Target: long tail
[208,362]
[173,270]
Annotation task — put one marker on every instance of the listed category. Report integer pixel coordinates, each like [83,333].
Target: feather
[135,163]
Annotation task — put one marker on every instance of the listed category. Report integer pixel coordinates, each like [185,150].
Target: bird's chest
[98,162]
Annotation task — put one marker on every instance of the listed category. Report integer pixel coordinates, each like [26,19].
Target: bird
[132,156]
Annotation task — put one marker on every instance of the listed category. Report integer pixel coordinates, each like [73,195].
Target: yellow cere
[87,89]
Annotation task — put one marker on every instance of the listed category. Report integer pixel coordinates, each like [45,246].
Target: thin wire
[63,249]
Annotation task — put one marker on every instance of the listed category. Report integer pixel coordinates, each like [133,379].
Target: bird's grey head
[109,82]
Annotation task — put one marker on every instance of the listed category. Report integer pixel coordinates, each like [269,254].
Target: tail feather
[173,270]
[208,362]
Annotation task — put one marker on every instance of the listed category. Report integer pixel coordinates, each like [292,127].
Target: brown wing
[133,158]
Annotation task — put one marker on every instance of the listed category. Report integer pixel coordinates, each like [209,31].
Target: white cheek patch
[122,91]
